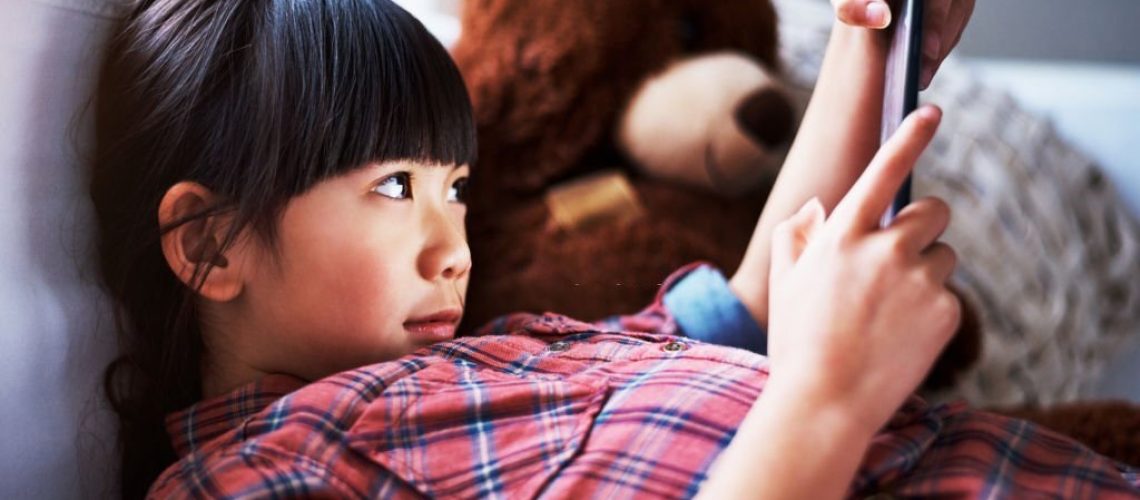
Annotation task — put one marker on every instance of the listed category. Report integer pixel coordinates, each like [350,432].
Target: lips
[435,327]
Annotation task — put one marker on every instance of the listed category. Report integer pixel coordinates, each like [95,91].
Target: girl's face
[369,266]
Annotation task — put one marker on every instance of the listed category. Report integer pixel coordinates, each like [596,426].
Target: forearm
[786,449]
[837,139]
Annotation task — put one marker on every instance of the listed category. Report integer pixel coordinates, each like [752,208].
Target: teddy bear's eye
[688,31]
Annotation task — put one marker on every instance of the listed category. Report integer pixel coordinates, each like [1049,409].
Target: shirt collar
[199,424]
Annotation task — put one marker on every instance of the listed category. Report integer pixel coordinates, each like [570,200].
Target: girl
[279,187]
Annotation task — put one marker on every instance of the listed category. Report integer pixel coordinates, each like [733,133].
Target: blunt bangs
[261,99]
[357,81]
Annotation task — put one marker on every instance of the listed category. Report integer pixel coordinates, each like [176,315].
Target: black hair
[258,101]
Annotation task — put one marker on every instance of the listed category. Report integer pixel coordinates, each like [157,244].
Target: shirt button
[559,346]
[674,347]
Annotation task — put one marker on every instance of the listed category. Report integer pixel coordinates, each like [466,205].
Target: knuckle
[951,255]
[896,247]
[843,242]
[948,309]
[944,259]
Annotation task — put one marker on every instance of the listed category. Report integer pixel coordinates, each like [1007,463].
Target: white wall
[56,433]
[1087,30]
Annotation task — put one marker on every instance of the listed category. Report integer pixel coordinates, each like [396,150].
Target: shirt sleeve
[695,301]
[706,309]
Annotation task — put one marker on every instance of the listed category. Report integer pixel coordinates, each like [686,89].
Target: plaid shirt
[543,405]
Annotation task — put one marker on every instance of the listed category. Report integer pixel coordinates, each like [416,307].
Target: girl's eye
[458,191]
[397,186]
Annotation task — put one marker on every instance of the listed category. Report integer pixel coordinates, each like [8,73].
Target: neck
[224,366]
[222,374]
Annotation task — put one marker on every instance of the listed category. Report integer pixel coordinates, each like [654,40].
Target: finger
[817,217]
[791,236]
[921,223]
[954,27]
[957,22]
[933,39]
[926,77]
[932,55]
[948,314]
[863,13]
[866,202]
[934,27]
[940,260]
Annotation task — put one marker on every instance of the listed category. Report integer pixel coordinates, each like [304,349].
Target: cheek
[351,284]
[337,297]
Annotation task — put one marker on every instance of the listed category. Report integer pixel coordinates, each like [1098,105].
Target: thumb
[816,216]
[863,13]
[791,237]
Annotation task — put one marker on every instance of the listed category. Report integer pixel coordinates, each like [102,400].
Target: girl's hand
[858,313]
[945,21]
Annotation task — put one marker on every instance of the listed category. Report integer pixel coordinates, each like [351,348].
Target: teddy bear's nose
[766,116]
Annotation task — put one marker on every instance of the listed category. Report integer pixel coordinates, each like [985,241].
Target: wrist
[787,447]
[752,295]
[827,417]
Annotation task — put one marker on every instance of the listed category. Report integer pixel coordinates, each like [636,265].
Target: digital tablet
[900,95]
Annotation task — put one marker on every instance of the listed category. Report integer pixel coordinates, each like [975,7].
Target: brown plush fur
[1111,428]
[548,79]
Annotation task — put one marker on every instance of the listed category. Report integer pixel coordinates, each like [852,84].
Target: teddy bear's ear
[541,74]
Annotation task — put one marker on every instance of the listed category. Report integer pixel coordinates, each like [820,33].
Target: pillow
[57,334]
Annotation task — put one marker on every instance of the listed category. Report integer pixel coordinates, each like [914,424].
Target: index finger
[866,202]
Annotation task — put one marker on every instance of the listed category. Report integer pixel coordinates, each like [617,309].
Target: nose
[767,116]
[445,254]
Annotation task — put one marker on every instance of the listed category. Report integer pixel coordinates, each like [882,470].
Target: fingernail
[930,112]
[878,15]
[806,206]
[806,213]
[818,213]
[932,45]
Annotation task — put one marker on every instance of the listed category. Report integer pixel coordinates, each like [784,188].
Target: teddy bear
[584,198]
[588,191]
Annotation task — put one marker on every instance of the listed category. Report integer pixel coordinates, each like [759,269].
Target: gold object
[605,196]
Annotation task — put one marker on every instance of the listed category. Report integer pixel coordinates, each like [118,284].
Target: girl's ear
[194,246]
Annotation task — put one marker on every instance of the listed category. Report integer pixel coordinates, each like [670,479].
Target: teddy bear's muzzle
[719,121]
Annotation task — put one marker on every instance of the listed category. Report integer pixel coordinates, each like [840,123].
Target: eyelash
[460,186]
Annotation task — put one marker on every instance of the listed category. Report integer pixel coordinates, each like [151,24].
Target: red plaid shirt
[549,406]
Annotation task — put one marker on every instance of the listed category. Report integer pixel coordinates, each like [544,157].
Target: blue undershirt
[705,308]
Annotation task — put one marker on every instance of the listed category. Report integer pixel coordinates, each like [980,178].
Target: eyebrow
[377,165]
[432,164]
[454,166]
